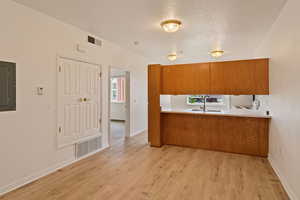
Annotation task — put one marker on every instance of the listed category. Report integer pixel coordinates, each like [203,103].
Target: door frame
[58,57]
[128,102]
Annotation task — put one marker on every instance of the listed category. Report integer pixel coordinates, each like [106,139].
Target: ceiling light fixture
[172,57]
[216,53]
[171,25]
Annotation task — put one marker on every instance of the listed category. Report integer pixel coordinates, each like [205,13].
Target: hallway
[117,130]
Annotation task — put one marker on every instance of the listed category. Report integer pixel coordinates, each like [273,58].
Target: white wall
[282,45]
[241,100]
[165,101]
[117,111]
[28,136]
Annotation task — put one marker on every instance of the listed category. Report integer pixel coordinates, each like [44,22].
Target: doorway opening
[119,108]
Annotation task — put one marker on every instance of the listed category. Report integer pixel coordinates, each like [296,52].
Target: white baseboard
[138,132]
[283,180]
[28,179]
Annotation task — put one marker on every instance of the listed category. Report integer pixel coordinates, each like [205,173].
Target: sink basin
[214,111]
[196,109]
[207,111]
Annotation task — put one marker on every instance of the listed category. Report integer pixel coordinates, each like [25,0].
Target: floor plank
[132,170]
[117,131]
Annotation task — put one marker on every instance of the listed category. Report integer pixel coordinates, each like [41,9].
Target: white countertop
[233,112]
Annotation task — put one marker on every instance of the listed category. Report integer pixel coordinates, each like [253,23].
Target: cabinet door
[240,77]
[185,79]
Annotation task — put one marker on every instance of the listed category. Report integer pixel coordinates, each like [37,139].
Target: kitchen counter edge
[229,114]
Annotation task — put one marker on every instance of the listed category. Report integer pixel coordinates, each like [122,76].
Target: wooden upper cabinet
[231,77]
[185,79]
[240,77]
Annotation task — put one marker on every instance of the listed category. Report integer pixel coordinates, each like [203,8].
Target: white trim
[77,60]
[117,102]
[283,180]
[138,132]
[118,76]
[109,106]
[35,176]
[80,140]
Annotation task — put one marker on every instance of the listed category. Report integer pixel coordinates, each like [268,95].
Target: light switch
[40,91]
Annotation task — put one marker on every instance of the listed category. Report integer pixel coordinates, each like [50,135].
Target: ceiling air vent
[94,41]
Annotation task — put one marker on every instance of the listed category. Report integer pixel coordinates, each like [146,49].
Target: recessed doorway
[119,108]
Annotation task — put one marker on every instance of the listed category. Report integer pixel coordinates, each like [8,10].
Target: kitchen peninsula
[244,132]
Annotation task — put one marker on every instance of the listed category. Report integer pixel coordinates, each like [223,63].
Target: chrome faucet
[204,103]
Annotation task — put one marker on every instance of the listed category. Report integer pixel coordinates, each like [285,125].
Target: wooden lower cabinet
[244,135]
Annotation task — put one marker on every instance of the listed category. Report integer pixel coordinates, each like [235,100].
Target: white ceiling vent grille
[88,147]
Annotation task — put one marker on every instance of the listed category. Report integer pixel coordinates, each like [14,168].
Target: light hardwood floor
[117,130]
[135,171]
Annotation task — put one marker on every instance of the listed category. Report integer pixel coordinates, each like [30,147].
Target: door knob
[86,99]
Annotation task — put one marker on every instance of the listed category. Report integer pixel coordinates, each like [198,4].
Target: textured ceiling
[237,26]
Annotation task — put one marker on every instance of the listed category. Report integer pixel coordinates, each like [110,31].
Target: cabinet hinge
[59,129]
[100,74]
[59,68]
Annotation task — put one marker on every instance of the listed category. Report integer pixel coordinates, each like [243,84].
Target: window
[118,89]
[210,99]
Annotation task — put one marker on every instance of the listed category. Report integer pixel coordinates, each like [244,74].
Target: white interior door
[79,102]
[90,91]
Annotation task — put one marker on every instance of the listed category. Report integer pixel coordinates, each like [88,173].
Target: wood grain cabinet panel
[154,83]
[244,135]
[186,79]
[240,77]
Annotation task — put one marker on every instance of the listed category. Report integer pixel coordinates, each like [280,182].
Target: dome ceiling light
[216,53]
[171,25]
[172,57]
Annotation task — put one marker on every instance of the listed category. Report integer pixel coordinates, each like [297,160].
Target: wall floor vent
[85,148]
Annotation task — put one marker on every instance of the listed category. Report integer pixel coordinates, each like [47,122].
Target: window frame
[207,103]
[117,90]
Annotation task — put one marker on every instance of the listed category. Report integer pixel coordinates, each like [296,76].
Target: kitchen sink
[208,111]
[214,111]
[195,109]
